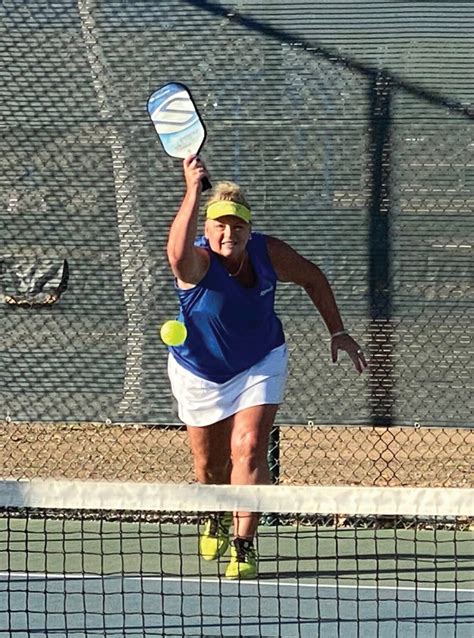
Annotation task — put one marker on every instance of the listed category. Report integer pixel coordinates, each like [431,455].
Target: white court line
[221,581]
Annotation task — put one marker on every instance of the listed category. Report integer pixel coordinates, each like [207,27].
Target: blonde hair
[227,191]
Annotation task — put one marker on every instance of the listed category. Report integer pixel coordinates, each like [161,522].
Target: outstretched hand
[346,342]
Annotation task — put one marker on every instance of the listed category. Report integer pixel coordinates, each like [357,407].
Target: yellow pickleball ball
[173,333]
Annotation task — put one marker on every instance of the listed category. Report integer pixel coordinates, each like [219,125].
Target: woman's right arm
[188,262]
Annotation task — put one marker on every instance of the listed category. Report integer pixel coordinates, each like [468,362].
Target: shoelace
[217,524]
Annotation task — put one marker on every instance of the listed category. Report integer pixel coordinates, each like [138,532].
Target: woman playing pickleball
[229,376]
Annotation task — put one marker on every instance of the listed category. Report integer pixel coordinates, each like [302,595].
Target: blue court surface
[137,606]
[90,578]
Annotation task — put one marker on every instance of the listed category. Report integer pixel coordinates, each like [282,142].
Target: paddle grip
[206,184]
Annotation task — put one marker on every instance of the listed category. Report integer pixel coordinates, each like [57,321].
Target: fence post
[381,364]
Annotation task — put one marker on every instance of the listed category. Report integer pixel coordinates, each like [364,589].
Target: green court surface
[89,578]
[350,555]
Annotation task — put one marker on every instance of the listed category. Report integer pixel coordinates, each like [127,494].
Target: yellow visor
[225,207]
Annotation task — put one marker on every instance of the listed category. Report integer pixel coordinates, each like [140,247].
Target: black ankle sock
[242,544]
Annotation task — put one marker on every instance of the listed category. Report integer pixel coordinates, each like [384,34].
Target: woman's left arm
[292,267]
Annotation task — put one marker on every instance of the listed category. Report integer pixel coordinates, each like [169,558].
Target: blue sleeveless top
[230,327]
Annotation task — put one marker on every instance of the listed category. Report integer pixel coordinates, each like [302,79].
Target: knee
[207,471]
[250,449]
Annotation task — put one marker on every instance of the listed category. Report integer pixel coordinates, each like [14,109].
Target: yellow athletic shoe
[243,560]
[214,540]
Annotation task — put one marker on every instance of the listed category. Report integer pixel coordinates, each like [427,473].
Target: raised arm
[290,266]
[188,262]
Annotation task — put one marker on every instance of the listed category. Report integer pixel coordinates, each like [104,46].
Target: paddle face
[176,120]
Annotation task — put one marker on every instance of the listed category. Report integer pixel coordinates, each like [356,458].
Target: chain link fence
[316,455]
[353,136]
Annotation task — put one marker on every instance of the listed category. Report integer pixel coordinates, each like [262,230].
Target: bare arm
[290,266]
[188,262]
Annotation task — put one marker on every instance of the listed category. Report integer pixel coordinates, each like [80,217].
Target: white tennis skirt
[202,402]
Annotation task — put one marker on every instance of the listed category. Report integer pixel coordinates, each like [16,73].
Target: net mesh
[347,562]
[350,125]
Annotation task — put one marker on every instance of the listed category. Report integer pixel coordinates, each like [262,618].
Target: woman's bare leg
[249,452]
[210,447]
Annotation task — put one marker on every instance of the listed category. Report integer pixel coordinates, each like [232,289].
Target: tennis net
[121,559]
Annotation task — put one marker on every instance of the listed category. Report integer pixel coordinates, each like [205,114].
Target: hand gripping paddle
[177,121]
